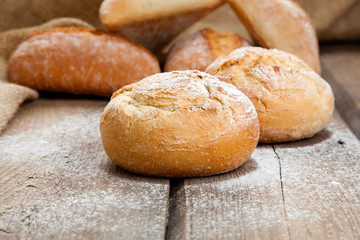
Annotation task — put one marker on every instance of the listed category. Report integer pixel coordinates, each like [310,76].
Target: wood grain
[340,64]
[321,184]
[56,182]
[301,190]
[243,204]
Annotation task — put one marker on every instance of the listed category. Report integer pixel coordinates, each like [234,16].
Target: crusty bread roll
[201,48]
[179,124]
[282,25]
[80,61]
[153,23]
[292,101]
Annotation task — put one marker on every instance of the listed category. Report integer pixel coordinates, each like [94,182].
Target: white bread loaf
[179,124]
[292,101]
[79,60]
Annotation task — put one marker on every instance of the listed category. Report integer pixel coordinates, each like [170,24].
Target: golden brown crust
[223,43]
[79,60]
[291,100]
[179,124]
[200,49]
[92,31]
[282,25]
[125,11]
[153,23]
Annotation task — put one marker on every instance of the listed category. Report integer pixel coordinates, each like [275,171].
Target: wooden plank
[56,181]
[305,189]
[321,183]
[246,203]
[340,64]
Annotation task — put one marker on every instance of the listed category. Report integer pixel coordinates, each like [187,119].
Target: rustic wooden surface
[242,204]
[57,183]
[301,190]
[341,68]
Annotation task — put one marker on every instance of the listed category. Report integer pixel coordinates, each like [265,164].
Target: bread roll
[291,100]
[179,124]
[201,48]
[282,25]
[80,61]
[153,23]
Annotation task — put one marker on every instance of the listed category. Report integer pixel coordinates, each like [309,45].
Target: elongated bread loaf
[292,101]
[80,61]
[153,23]
[179,124]
[282,25]
[198,50]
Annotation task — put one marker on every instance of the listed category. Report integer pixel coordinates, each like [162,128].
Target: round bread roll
[179,124]
[80,61]
[153,23]
[198,50]
[280,24]
[292,101]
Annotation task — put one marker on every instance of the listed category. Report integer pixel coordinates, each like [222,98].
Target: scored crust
[179,124]
[79,60]
[200,49]
[291,100]
[282,25]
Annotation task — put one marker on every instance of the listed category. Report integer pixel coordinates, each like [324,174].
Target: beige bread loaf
[179,124]
[201,48]
[292,101]
[80,61]
[153,23]
[282,25]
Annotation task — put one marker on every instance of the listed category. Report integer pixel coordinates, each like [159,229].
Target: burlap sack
[334,19]
[12,95]
[25,13]
[28,13]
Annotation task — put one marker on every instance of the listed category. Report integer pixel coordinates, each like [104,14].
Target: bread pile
[185,122]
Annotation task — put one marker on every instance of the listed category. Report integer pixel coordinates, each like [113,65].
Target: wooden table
[56,182]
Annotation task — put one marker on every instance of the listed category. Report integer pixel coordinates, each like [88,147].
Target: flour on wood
[68,186]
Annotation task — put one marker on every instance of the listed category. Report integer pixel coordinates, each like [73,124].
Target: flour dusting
[67,185]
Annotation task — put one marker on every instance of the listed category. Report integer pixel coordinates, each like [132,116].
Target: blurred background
[333,19]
